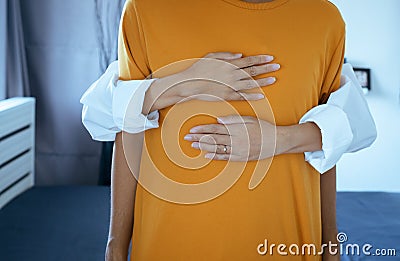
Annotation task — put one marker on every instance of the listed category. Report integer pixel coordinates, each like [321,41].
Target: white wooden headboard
[17,147]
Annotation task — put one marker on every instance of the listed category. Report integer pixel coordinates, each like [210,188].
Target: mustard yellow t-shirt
[307,39]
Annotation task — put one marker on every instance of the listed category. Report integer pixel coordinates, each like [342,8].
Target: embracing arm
[106,101]
[216,76]
[123,190]
[298,138]
[341,109]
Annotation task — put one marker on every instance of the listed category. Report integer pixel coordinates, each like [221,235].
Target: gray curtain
[17,81]
[107,20]
[106,33]
[62,47]
[3,32]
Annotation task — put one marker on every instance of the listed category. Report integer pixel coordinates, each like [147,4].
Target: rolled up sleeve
[105,106]
[345,121]
[127,107]
[336,136]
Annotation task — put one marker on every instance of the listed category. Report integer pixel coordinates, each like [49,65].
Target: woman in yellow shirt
[307,38]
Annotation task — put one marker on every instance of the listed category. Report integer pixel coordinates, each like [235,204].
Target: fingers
[248,97]
[216,152]
[236,119]
[224,56]
[231,80]
[214,156]
[210,128]
[209,138]
[240,96]
[230,157]
[220,149]
[237,95]
[253,71]
[229,96]
[252,60]
[251,84]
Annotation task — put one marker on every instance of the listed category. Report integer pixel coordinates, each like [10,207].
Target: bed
[55,223]
[369,218]
[71,223]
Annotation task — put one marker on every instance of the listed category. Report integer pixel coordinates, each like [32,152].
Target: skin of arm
[235,70]
[291,139]
[123,190]
[328,213]
[247,138]
[308,136]
[298,138]
[228,68]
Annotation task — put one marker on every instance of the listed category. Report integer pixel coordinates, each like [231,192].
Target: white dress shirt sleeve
[345,121]
[346,124]
[105,106]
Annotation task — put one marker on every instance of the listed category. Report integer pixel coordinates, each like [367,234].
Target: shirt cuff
[336,136]
[104,131]
[127,105]
[351,100]
[97,106]
[107,100]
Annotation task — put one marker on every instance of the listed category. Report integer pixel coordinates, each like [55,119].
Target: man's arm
[345,122]
[341,110]
[217,70]
[105,103]
[298,138]
[328,212]
[123,190]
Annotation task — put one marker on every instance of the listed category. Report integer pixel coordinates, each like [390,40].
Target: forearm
[162,93]
[123,190]
[298,138]
[328,211]
[217,71]
[328,205]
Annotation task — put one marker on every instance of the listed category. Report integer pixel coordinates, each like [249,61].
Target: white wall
[3,24]
[373,40]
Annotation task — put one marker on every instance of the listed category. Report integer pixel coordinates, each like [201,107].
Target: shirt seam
[255,9]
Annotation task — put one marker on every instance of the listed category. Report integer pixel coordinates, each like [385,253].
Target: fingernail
[188,137]
[194,130]
[195,145]
[260,96]
[268,58]
[275,66]
[271,80]
[220,120]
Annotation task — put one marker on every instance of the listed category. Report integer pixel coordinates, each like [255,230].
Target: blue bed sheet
[71,223]
[369,218]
